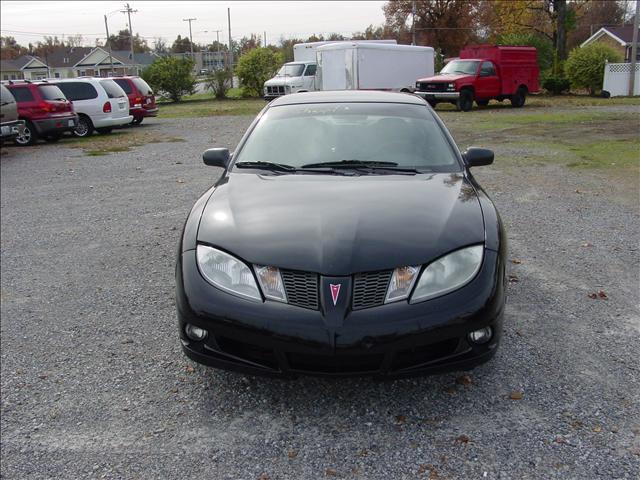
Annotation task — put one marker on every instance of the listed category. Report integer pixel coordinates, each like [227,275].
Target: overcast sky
[29,21]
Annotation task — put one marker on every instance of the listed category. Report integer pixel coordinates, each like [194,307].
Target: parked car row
[50,108]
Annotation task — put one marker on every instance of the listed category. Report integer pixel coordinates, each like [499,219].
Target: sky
[29,21]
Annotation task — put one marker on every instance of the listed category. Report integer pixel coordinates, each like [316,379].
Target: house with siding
[619,38]
[26,66]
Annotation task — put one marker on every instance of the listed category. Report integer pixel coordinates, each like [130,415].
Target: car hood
[339,225]
[281,80]
[445,78]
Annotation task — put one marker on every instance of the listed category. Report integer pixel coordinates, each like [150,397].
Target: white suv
[100,103]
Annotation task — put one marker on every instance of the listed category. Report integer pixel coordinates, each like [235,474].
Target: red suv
[44,108]
[142,102]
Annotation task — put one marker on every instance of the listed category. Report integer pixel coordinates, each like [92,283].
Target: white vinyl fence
[616,79]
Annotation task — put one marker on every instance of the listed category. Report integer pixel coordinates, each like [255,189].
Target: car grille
[370,289]
[432,87]
[301,288]
[277,90]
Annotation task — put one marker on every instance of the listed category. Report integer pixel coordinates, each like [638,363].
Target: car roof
[346,96]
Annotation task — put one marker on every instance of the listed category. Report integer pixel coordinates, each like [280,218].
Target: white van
[100,103]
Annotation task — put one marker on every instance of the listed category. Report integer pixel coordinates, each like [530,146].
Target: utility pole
[218,32]
[190,36]
[634,51]
[106,27]
[230,46]
[413,22]
[128,10]
[265,39]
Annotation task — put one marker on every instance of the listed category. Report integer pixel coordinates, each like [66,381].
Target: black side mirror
[476,157]
[216,157]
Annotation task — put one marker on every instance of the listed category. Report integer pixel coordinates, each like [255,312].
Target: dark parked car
[142,101]
[45,109]
[11,127]
[346,236]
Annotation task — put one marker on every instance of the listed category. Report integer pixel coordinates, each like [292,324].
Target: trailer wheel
[519,98]
[482,103]
[465,101]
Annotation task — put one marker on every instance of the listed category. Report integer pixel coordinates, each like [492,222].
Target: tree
[286,48]
[591,16]
[256,67]
[447,25]
[160,46]
[172,76]
[585,66]
[372,33]
[121,41]
[219,82]
[183,45]
[248,43]
[10,48]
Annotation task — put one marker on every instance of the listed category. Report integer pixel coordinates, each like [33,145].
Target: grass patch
[611,154]
[117,142]
[209,107]
[105,151]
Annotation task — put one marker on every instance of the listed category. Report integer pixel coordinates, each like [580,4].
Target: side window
[22,94]
[124,84]
[487,70]
[311,71]
[78,90]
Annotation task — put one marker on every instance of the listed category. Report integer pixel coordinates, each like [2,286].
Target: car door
[310,77]
[488,82]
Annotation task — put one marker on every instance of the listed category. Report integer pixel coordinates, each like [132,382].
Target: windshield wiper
[350,164]
[280,167]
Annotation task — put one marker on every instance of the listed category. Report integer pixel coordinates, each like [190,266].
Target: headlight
[271,283]
[451,86]
[227,272]
[417,84]
[401,283]
[448,273]
[287,88]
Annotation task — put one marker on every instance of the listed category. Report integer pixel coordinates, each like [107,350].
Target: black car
[346,236]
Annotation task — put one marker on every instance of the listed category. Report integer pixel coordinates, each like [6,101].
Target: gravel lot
[94,384]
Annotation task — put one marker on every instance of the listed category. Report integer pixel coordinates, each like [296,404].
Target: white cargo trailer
[306,52]
[370,66]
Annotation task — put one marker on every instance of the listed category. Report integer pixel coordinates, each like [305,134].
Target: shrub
[219,82]
[256,67]
[171,76]
[556,84]
[543,46]
[585,66]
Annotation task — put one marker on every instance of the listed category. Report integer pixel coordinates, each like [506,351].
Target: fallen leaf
[516,261]
[597,429]
[179,181]
[264,476]
[519,333]
[586,244]
[560,439]
[190,369]
[592,296]
[464,380]
[451,390]
[578,190]
[463,439]
[292,454]
[44,376]
[401,418]
[513,279]
[516,395]
[363,453]
[174,390]
[602,294]
[331,472]
[427,467]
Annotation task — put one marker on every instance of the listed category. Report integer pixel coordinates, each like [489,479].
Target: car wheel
[519,98]
[137,120]
[104,130]
[28,137]
[52,138]
[465,101]
[84,127]
[482,103]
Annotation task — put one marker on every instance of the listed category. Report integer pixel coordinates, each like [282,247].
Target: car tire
[137,120]
[84,127]
[52,138]
[482,103]
[517,100]
[465,101]
[29,137]
[104,131]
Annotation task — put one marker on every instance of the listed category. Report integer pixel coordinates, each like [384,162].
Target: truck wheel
[519,98]
[482,103]
[84,127]
[29,137]
[465,101]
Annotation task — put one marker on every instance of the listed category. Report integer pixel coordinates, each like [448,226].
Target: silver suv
[11,126]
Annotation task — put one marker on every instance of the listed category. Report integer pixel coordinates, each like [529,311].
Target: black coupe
[346,236]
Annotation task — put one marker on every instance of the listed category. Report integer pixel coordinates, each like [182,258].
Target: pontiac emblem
[335,292]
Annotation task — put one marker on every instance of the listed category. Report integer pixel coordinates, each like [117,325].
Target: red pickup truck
[483,73]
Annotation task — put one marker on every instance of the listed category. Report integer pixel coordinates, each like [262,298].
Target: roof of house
[73,55]
[9,66]
[138,58]
[23,60]
[621,34]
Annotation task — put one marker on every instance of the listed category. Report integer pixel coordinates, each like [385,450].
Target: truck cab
[483,73]
[293,77]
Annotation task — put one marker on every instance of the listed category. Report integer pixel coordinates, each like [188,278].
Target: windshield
[291,70]
[467,67]
[51,92]
[296,135]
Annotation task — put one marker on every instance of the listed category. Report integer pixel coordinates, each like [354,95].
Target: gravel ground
[94,384]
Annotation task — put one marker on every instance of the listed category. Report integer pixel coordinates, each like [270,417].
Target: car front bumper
[393,340]
[12,129]
[58,124]
[438,95]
